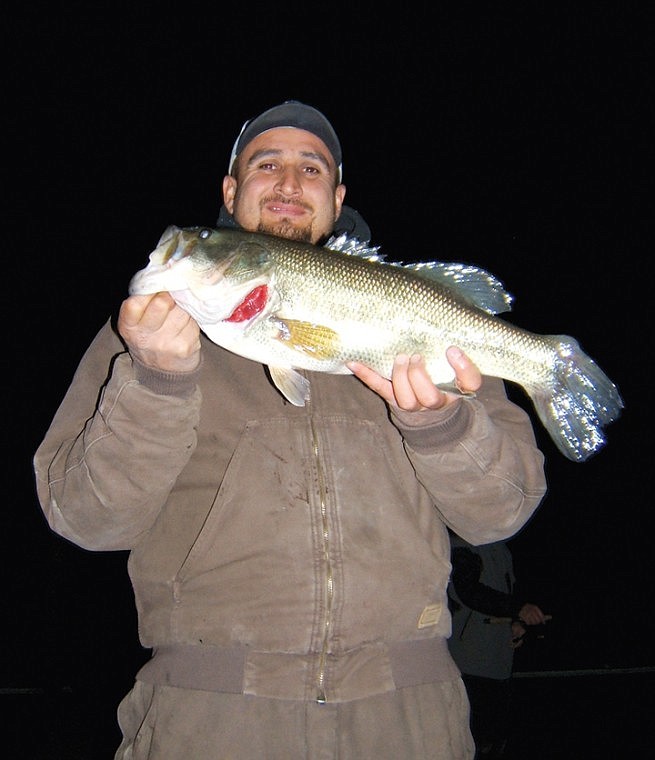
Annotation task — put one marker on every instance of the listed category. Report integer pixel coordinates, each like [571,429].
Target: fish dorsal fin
[473,284]
[354,247]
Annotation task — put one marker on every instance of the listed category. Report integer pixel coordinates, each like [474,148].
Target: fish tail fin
[578,404]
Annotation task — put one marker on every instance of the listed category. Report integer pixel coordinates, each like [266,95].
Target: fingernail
[456,354]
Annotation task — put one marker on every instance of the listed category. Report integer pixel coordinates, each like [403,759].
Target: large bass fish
[293,305]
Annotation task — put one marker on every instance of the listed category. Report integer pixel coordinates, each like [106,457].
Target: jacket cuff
[180,384]
[434,430]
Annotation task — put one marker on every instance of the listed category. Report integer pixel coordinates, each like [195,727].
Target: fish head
[210,273]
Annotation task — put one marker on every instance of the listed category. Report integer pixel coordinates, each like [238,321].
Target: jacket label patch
[430,615]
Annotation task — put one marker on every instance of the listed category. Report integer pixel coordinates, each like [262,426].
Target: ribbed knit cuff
[180,384]
[434,430]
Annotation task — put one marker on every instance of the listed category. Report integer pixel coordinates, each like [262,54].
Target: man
[289,564]
[489,622]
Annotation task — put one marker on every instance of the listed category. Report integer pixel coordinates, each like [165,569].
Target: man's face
[285,185]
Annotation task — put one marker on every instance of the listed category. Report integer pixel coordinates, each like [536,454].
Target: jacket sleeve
[115,418]
[476,595]
[479,461]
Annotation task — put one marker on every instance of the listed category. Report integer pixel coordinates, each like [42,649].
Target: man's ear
[339,195]
[229,191]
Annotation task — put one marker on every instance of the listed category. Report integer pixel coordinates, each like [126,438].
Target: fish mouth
[168,235]
[168,247]
[177,243]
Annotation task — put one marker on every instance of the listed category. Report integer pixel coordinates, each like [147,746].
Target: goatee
[284,228]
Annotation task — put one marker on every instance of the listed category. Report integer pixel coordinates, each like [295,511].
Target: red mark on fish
[251,305]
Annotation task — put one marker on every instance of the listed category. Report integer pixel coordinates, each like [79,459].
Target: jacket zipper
[329,589]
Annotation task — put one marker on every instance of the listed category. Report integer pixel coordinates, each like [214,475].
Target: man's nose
[289,182]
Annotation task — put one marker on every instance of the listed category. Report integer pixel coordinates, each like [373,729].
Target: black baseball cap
[291,113]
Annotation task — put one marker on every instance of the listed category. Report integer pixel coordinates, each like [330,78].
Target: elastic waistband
[371,669]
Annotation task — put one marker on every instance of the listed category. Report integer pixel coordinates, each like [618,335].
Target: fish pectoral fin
[291,384]
[453,388]
[314,340]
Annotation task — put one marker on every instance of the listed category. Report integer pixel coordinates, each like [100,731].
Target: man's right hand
[159,333]
[532,615]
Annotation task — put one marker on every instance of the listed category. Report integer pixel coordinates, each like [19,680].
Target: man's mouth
[286,209]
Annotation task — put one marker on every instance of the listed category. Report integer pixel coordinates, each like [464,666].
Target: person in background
[289,564]
[489,623]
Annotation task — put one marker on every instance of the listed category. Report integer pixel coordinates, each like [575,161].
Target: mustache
[277,198]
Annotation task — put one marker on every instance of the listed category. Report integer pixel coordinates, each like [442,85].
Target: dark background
[514,136]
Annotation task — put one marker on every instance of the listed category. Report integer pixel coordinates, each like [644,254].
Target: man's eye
[312,170]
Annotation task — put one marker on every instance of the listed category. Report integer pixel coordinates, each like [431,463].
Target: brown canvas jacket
[307,547]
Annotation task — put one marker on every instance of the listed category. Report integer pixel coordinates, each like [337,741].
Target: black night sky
[517,140]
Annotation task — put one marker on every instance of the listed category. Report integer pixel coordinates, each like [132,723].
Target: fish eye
[204,233]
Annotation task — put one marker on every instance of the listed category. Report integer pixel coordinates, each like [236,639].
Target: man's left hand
[412,389]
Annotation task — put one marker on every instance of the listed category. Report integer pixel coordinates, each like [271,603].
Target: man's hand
[412,389]
[518,632]
[159,333]
[532,615]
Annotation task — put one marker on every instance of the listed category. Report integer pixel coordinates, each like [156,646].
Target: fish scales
[296,306]
[411,314]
